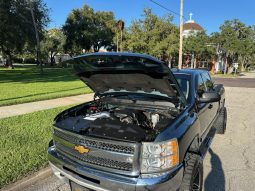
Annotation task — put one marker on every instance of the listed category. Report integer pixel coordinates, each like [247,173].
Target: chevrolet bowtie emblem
[81,149]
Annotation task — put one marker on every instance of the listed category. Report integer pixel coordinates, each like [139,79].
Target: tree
[104,30]
[237,40]
[196,44]
[136,38]
[16,25]
[153,35]
[246,53]
[86,29]
[53,43]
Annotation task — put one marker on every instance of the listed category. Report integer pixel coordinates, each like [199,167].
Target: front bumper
[66,170]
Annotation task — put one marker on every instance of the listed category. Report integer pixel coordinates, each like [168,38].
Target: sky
[210,14]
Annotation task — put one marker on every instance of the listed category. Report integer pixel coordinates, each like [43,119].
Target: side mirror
[209,97]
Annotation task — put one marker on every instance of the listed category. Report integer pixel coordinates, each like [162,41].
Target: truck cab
[194,83]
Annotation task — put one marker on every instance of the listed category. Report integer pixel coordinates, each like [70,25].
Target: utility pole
[192,60]
[37,37]
[181,36]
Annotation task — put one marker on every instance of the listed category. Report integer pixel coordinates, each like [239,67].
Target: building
[61,57]
[191,27]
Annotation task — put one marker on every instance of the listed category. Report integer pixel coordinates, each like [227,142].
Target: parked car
[148,128]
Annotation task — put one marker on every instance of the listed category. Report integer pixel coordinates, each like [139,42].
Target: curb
[28,181]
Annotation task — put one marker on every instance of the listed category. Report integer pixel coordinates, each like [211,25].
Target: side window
[184,85]
[208,82]
[201,88]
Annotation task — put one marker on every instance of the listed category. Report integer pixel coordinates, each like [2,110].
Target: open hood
[109,73]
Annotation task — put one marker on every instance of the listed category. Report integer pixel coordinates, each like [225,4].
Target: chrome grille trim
[95,160]
[112,160]
[95,144]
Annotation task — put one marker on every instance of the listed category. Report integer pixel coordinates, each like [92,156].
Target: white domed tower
[190,27]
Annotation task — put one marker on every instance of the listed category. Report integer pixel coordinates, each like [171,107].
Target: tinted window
[184,83]
[208,81]
[201,88]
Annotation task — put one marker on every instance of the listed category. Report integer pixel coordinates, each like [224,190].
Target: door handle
[210,106]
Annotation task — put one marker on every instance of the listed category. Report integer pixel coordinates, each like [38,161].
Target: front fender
[185,128]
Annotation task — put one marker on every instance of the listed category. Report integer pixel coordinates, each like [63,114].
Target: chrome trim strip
[121,157]
[107,169]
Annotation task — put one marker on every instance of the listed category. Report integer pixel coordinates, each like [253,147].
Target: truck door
[204,109]
[212,107]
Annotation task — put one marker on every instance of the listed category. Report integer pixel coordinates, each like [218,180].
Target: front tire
[193,173]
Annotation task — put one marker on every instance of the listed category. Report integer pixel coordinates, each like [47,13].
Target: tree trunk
[51,58]
[195,62]
[170,62]
[96,48]
[242,66]
[213,65]
[225,66]
[9,59]
[245,67]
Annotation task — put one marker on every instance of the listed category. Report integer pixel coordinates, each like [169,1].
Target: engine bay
[117,122]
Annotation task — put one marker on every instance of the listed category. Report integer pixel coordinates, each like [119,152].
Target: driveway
[230,163]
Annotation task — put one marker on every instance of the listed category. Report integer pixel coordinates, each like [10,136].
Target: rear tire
[193,173]
[221,121]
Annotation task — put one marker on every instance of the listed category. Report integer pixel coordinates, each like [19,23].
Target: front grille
[114,156]
[96,144]
[94,160]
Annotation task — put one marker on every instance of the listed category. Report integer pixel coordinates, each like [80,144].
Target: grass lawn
[23,143]
[26,84]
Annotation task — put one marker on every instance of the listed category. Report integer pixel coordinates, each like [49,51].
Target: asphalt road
[236,82]
[230,163]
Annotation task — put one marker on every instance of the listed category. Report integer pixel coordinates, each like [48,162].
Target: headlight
[159,156]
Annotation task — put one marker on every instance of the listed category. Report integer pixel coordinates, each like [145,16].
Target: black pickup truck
[148,128]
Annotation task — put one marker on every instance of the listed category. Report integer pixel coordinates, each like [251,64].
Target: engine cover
[113,129]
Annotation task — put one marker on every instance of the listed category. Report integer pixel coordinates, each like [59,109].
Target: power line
[162,6]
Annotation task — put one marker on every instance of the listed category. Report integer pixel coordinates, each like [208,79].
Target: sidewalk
[248,75]
[12,110]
